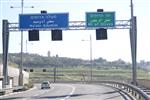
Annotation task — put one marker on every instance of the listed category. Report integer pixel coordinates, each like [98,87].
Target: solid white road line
[69,95]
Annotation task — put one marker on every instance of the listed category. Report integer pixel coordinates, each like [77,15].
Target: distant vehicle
[45,85]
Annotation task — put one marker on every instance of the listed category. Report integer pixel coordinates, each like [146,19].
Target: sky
[117,46]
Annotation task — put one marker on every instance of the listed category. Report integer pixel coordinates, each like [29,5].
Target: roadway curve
[69,92]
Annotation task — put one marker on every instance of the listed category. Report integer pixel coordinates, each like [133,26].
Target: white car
[45,85]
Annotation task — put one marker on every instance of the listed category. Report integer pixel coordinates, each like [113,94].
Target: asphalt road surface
[68,92]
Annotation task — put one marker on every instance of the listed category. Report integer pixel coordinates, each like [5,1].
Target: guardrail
[135,91]
[2,92]
[18,88]
[10,90]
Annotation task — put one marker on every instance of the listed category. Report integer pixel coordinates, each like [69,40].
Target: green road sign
[100,19]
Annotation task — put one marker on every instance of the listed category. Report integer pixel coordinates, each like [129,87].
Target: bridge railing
[135,91]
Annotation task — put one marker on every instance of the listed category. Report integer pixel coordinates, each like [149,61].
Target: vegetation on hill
[70,69]
[35,60]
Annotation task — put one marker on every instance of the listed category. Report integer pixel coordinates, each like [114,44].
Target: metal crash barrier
[135,91]
[10,90]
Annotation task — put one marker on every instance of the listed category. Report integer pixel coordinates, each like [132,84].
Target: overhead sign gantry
[60,21]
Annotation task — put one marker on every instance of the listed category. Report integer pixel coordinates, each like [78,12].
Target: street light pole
[27,46]
[91,56]
[21,62]
[91,60]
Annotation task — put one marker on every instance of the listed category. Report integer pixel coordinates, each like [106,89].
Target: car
[45,85]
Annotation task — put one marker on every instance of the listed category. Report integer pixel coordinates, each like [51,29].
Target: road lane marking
[71,93]
[35,95]
[41,93]
[38,94]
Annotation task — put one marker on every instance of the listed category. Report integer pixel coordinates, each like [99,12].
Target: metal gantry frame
[77,25]
[73,25]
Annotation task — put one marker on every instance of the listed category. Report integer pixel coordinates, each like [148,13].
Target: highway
[69,92]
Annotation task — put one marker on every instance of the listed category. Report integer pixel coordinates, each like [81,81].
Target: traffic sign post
[43,21]
[100,19]
[5,36]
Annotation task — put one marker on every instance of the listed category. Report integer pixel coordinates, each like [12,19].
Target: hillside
[70,69]
[35,60]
